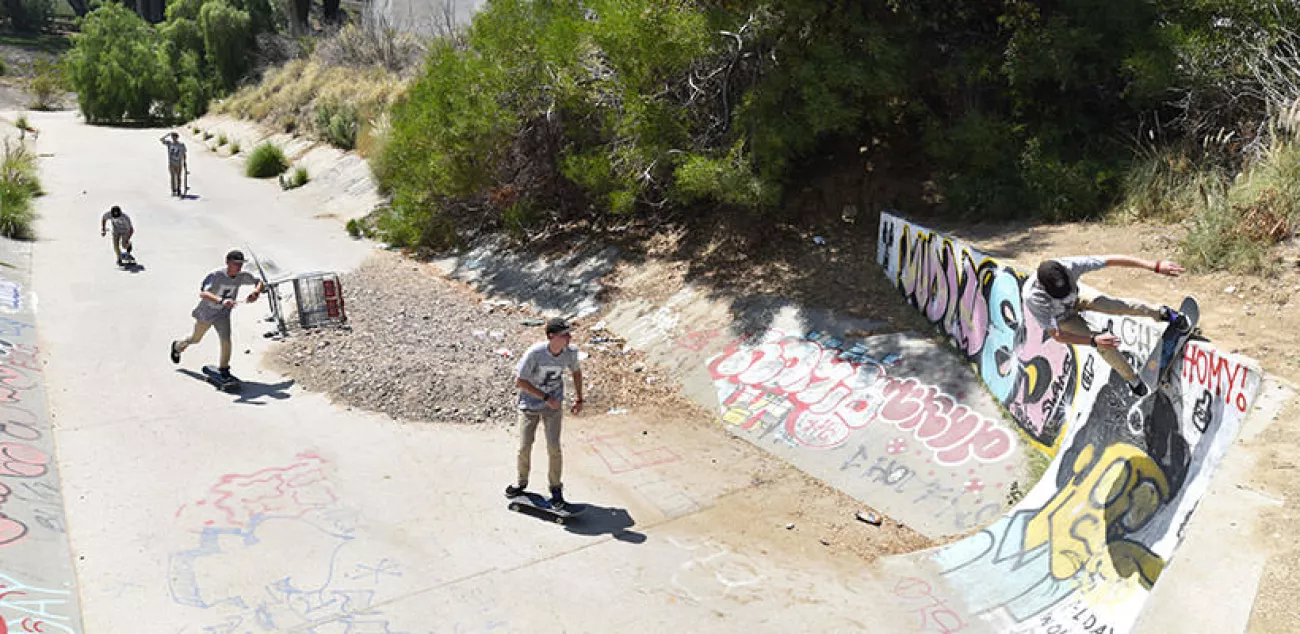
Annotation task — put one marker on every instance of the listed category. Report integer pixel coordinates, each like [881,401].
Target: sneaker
[176,354]
[225,374]
[557,499]
[515,490]
[1178,319]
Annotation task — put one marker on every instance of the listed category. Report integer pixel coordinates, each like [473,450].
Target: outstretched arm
[257,292]
[1163,267]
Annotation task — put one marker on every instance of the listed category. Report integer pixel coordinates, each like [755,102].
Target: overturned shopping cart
[316,299]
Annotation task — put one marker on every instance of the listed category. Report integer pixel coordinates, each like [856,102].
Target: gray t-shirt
[1047,309]
[175,152]
[546,372]
[121,224]
[223,286]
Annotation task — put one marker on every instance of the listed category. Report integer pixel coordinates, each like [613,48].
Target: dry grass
[289,96]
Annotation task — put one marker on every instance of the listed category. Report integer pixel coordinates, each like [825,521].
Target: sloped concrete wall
[38,585]
[1084,547]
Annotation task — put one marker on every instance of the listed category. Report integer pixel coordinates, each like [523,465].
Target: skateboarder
[122,231]
[540,379]
[176,160]
[218,294]
[1054,298]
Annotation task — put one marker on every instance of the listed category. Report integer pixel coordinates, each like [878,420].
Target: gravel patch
[423,347]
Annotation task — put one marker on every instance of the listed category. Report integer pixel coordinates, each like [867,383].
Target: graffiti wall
[873,419]
[37,582]
[1084,547]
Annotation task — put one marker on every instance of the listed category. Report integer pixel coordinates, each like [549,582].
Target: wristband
[1157,269]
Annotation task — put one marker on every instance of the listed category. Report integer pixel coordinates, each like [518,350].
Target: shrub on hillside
[337,124]
[265,161]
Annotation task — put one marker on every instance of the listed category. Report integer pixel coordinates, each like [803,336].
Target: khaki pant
[1090,299]
[550,419]
[176,176]
[200,329]
[119,245]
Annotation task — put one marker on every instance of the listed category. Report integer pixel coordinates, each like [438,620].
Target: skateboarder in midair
[539,376]
[122,231]
[1054,298]
[218,294]
[177,162]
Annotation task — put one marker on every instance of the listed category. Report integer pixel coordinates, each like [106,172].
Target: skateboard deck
[1155,373]
[537,506]
[214,377]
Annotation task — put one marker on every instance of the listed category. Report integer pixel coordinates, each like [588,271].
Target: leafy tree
[116,67]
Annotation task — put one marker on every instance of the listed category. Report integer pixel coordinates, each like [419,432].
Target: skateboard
[213,375]
[533,504]
[1155,373]
[127,261]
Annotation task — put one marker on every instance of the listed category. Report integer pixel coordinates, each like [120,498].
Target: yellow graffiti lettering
[1113,495]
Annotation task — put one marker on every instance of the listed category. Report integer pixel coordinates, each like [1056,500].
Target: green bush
[265,161]
[222,140]
[338,124]
[227,36]
[18,185]
[116,68]
[295,180]
[234,148]
[48,84]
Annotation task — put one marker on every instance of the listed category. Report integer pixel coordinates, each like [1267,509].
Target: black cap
[557,326]
[235,256]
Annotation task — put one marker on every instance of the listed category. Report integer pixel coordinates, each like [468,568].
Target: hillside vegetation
[1175,110]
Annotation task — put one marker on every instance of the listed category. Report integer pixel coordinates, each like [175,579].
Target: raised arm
[1163,267]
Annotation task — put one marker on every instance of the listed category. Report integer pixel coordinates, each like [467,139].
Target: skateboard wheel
[559,520]
[514,507]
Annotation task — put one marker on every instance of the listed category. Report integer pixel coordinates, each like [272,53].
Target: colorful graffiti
[821,394]
[1084,547]
[26,607]
[976,301]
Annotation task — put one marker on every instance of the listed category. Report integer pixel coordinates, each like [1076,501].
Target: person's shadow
[603,520]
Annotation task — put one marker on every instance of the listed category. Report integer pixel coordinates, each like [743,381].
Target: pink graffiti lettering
[281,491]
[20,356]
[696,341]
[20,460]
[935,614]
[1219,374]
[821,397]
[953,431]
